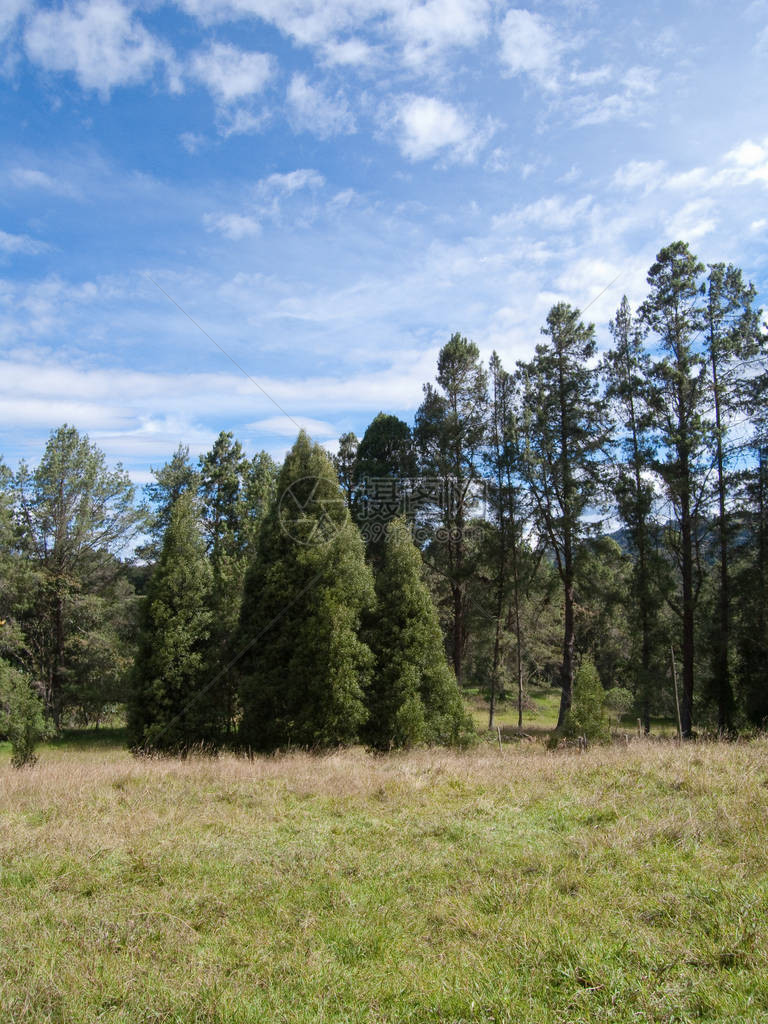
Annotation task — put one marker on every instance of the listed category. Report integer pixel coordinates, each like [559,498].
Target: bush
[619,701]
[586,717]
[22,718]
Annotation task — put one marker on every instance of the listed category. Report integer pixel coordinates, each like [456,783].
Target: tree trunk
[686,711]
[58,658]
[722,672]
[569,643]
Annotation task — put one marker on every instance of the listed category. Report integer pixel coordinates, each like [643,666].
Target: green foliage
[22,718]
[450,432]
[565,432]
[412,695]
[76,517]
[235,493]
[585,717]
[384,471]
[171,705]
[304,667]
[171,480]
[619,700]
[345,461]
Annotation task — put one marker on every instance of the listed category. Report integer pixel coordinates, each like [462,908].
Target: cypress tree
[170,707]
[412,696]
[304,667]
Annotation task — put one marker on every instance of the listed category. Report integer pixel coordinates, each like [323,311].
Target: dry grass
[619,885]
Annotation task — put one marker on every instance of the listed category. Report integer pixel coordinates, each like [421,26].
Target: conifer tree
[626,368]
[450,432]
[565,433]
[171,706]
[385,471]
[304,667]
[674,312]
[412,696]
[234,492]
[732,338]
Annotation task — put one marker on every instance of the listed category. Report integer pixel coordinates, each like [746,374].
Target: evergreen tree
[172,707]
[450,433]
[565,437]
[412,695]
[385,470]
[673,311]
[626,369]
[171,480]
[222,472]
[303,667]
[512,564]
[345,461]
[75,517]
[732,329]
[586,717]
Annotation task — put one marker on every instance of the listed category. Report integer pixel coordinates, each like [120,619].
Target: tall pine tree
[565,437]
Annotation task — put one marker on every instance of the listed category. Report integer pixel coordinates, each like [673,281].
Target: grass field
[623,884]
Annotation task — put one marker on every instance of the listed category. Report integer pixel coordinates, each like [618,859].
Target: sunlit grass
[624,884]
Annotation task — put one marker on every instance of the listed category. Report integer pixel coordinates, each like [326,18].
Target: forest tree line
[565,509]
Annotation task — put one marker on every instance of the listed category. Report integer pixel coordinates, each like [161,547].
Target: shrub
[586,717]
[619,701]
[22,717]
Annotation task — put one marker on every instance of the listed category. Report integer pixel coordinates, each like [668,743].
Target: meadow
[627,883]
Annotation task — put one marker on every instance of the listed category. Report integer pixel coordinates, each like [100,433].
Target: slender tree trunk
[494,669]
[722,671]
[519,647]
[569,637]
[689,650]
[58,657]
[641,577]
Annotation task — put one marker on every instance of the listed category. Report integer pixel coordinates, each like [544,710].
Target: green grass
[624,884]
[540,711]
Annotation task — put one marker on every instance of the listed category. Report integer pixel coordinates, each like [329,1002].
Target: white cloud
[694,220]
[416,33]
[587,79]
[529,46]
[747,154]
[585,282]
[553,213]
[292,181]
[100,42]
[10,11]
[640,81]
[431,28]
[640,174]
[638,85]
[235,226]
[231,74]
[288,426]
[21,244]
[32,178]
[311,110]
[428,126]
[193,142]
[349,52]
[240,121]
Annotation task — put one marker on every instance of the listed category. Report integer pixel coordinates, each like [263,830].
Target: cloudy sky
[330,188]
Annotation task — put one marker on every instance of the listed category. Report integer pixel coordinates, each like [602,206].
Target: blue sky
[330,188]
